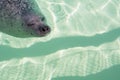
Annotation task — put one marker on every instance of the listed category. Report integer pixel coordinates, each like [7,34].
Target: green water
[84,44]
[109,74]
[46,48]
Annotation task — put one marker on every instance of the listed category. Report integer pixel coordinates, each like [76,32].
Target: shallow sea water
[84,41]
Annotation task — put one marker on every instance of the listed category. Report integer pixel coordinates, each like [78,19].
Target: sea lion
[36,23]
[23,12]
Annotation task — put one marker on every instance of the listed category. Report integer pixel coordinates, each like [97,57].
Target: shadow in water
[45,48]
[108,74]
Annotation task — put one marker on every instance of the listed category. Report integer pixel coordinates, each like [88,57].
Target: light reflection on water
[72,49]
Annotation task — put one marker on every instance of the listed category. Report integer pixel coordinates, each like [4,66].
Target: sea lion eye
[30,24]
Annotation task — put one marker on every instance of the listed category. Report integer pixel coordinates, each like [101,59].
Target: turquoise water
[46,48]
[104,75]
[84,44]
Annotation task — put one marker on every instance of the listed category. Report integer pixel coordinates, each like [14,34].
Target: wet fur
[22,10]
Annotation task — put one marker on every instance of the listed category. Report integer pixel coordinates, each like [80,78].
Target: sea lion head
[36,23]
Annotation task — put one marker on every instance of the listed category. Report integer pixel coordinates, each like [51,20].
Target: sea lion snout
[43,30]
[37,24]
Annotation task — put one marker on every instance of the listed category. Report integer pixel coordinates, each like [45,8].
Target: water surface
[84,42]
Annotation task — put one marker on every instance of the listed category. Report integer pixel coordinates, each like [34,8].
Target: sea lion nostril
[44,29]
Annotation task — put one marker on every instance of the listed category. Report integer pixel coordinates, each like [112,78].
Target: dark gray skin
[36,23]
[24,10]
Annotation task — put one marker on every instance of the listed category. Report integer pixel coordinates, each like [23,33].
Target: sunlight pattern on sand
[76,61]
